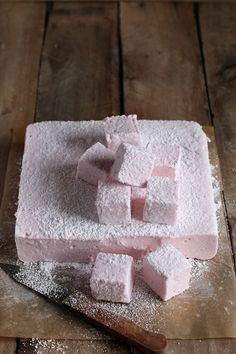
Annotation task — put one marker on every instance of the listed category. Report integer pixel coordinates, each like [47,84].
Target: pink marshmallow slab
[113,203]
[167,272]
[161,201]
[112,277]
[167,160]
[133,165]
[56,219]
[122,129]
[138,195]
[95,164]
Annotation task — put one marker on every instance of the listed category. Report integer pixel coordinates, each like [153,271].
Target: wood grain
[21,33]
[79,74]
[160,46]
[7,345]
[163,77]
[218,28]
[107,1]
[204,346]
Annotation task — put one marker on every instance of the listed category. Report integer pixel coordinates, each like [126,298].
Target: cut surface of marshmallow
[112,277]
[113,203]
[138,195]
[95,164]
[161,201]
[133,165]
[122,129]
[166,160]
[167,271]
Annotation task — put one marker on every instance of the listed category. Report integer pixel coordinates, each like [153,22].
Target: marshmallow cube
[161,201]
[138,195]
[95,164]
[122,129]
[133,165]
[113,203]
[167,271]
[167,160]
[112,277]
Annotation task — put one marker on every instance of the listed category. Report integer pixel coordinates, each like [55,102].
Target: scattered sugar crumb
[46,346]
[39,280]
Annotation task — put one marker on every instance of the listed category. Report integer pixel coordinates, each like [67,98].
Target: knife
[35,278]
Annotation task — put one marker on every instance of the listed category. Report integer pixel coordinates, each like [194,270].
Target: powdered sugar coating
[168,261]
[167,160]
[122,129]
[161,201]
[113,203]
[95,164]
[133,165]
[112,277]
[167,272]
[57,217]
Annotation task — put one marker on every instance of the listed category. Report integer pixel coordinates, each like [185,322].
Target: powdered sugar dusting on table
[44,346]
[34,278]
[78,274]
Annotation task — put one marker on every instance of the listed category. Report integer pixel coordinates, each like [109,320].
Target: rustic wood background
[86,60]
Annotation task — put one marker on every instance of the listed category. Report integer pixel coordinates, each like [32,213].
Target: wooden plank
[163,77]
[218,28]
[21,33]
[206,346]
[45,346]
[107,1]
[7,345]
[79,78]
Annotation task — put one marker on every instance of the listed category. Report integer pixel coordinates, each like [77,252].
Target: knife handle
[147,341]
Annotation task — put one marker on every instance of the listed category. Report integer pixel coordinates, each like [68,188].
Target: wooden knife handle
[146,341]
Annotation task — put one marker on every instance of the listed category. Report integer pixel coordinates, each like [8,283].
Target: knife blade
[38,280]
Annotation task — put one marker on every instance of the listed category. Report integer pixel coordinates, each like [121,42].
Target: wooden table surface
[87,60]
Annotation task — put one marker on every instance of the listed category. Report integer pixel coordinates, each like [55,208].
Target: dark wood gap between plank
[199,37]
[229,229]
[120,55]
[49,10]
[4,169]
[18,343]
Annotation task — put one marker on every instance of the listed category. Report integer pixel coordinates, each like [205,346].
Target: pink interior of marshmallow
[167,160]
[138,195]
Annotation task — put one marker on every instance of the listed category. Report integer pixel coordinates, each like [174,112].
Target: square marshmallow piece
[112,277]
[122,129]
[113,203]
[166,160]
[133,165]
[167,271]
[161,201]
[95,164]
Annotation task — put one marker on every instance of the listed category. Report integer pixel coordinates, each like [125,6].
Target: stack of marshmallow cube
[133,180]
[140,182]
